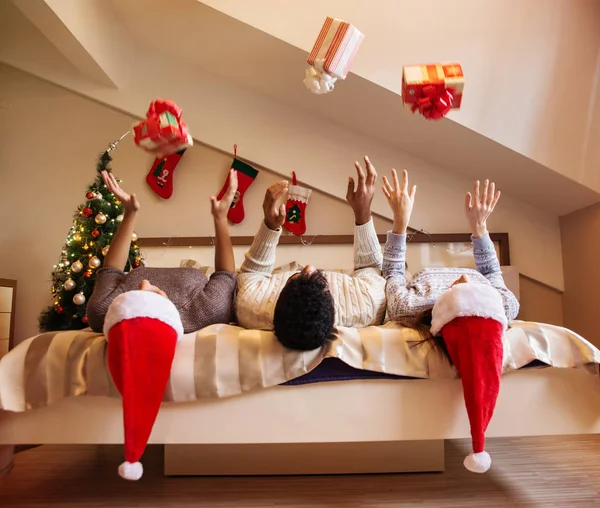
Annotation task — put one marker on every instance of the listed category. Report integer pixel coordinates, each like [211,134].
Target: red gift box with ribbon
[433,89]
[163,132]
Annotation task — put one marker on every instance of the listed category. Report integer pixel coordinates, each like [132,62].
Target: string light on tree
[91,230]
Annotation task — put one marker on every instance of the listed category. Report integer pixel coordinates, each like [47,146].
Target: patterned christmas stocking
[246,175]
[295,220]
[160,178]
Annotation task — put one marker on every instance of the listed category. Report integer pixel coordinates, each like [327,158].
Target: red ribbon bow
[434,103]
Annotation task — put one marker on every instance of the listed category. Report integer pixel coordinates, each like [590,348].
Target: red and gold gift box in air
[433,89]
[162,132]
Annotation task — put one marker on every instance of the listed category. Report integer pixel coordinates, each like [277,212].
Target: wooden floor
[527,472]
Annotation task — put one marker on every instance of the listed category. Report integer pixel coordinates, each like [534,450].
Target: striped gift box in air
[336,47]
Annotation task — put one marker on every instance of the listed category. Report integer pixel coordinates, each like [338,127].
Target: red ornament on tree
[87,275]
[84,319]
[136,264]
[59,309]
[87,212]
[89,195]
[95,233]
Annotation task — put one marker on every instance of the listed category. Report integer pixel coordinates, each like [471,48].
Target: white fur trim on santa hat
[467,299]
[136,304]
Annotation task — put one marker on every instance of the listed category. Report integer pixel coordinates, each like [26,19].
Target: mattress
[223,361]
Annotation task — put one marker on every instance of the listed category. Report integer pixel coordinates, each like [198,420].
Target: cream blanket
[223,361]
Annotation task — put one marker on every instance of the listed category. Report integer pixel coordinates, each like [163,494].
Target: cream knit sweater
[359,298]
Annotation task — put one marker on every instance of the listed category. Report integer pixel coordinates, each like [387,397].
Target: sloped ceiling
[191,35]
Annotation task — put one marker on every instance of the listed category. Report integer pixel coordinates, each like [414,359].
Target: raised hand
[360,199]
[129,201]
[400,200]
[219,208]
[275,214]
[479,206]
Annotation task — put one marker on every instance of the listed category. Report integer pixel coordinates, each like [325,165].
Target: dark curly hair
[304,314]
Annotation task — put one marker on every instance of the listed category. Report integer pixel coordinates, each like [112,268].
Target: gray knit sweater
[408,301]
[200,301]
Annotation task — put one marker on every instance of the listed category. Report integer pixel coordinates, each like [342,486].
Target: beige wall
[49,139]
[540,303]
[581,254]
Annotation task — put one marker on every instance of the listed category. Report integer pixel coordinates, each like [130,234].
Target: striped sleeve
[488,265]
[394,263]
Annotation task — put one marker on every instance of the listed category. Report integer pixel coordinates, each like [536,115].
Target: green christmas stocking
[295,220]
[246,175]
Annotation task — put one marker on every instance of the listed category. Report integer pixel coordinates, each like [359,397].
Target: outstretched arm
[401,202]
[367,251]
[260,258]
[119,247]
[224,258]
[478,207]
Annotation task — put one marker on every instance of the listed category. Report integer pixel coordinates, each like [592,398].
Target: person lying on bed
[303,307]
[200,301]
[411,304]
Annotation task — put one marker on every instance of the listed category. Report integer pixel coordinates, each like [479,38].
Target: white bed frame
[338,427]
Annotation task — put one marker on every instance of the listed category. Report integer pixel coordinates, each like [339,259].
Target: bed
[373,400]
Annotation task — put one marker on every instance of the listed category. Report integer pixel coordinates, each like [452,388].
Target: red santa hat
[471,319]
[142,329]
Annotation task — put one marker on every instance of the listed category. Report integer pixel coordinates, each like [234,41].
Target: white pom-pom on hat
[131,471]
[478,462]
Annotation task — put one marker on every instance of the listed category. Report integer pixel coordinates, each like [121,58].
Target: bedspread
[225,360]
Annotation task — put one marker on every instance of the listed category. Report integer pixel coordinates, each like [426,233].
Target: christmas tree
[74,276]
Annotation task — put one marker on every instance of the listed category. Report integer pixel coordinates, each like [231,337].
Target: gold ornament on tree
[120,218]
[105,250]
[70,285]
[77,266]
[79,299]
[100,218]
[134,237]
[94,262]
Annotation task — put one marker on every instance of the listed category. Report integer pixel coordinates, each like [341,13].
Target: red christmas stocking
[160,178]
[246,175]
[295,219]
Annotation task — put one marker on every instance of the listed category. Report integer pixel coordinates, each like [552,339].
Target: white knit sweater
[359,298]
